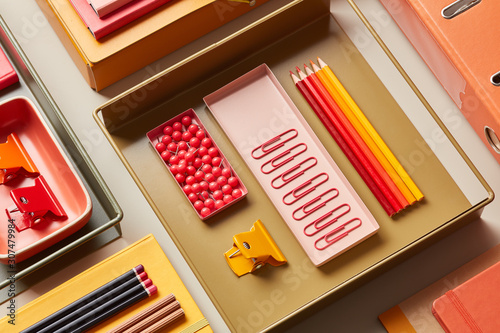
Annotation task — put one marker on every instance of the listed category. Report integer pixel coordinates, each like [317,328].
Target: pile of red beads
[198,166]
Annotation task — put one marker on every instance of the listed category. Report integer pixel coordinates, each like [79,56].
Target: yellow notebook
[147,252]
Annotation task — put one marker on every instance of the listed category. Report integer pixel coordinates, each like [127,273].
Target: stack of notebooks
[168,295]
[111,39]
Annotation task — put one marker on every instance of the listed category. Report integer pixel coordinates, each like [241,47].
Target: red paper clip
[265,149]
[286,178]
[308,211]
[295,192]
[329,241]
[15,160]
[33,203]
[275,161]
[319,223]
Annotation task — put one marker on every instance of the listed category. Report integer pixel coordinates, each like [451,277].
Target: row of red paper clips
[280,155]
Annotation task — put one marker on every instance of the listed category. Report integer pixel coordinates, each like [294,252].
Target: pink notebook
[104,7]
[100,27]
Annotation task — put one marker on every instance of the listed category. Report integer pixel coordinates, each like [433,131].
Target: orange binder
[459,42]
[147,252]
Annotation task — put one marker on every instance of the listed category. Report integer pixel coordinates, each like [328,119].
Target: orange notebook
[474,306]
[147,252]
[415,315]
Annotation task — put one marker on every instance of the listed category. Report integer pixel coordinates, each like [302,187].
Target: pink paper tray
[20,116]
[312,195]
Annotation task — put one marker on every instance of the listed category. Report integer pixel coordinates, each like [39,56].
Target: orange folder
[462,52]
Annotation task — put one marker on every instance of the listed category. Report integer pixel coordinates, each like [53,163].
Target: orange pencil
[331,111]
[394,192]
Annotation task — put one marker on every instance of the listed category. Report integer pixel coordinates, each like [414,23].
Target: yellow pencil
[369,134]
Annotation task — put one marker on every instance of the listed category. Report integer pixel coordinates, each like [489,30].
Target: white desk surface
[356,312]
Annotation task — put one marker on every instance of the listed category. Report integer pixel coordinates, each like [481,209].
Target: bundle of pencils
[154,318]
[356,137]
[98,305]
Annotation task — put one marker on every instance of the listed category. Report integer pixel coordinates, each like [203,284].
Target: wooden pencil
[318,105]
[393,192]
[148,316]
[346,108]
[164,322]
[370,130]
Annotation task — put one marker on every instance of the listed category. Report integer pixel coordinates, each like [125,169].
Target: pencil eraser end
[152,290]
[143,276]
[139,269]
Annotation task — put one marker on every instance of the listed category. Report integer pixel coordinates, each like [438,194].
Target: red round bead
[206,142]
[199,175]
[213,152]
[213,186]
[194,142]
[198,205]
[204,195]
[180,177]
[200,134]
[209,177]
[193,129]
[209,203]
[177,126]
[192,197]
[186,136]
[190,170]
[204,185]
[205,211]
[181,167]
[168,130]
[233,181]
[186,121]
[160,146]
[189,156]
[183,145]
[217,194]
[187,189]
[227,189]
[219,204]
[205,159]
[172,147]
[174,160]
[216,171]
[227,198]
[190,180]
[197,163]
[216,161]
[226,172]
[166,139]
[181,154]
[206,168]
[165,155]
[173,169]
[177,135]
[196,187]
[203,151]
[222,180]
[236,193]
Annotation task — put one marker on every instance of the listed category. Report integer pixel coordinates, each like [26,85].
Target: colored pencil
[388,185]
[318,106]
[164,322]
[84,321]
[148,316]
[365,123]
[132,277]
[346,108]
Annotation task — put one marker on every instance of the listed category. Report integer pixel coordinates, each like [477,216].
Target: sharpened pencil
[370,130]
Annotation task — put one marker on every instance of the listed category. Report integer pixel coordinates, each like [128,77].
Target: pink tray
[326,215]
[155,136]
[20,116]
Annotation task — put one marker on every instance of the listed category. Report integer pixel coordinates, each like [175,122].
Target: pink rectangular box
[312,195]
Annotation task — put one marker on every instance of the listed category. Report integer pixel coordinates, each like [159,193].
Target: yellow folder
[147,252]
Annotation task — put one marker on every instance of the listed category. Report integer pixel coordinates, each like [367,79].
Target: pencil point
[298,69]
[321,63]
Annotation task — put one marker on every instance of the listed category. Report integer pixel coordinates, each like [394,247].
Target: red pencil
[318,105]
[379,173]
